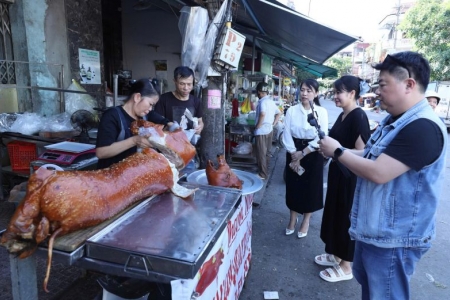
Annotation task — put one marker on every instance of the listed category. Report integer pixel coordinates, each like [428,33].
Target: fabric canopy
[293,58]
[288,35]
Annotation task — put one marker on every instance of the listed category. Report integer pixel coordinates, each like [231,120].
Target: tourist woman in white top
[304,193]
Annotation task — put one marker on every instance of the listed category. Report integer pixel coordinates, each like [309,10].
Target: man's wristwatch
[338,152]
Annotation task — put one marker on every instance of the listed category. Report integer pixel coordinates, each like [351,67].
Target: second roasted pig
[222,175]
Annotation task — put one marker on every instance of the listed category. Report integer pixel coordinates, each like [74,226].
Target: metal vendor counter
[196,244]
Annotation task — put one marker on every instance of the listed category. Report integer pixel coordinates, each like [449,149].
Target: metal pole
[253,56]
[116,88]
[63,99]
[61,104]
[353,60]
[396,24]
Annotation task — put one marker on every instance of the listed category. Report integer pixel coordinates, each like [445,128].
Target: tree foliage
[302,75]
[343,65]
[427,23]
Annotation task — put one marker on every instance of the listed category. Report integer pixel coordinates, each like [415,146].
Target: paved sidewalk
[286,264]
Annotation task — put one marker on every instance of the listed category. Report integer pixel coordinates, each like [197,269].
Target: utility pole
[353,59]
[396,24]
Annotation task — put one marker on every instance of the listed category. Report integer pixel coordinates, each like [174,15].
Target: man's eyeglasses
[391,60]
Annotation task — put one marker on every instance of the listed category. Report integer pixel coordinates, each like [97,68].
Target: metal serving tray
[251,184]
[167,235]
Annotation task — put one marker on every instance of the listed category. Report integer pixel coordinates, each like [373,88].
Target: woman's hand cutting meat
[142,141]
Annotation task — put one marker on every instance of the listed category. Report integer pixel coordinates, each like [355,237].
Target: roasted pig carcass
[222,175]
[60,202]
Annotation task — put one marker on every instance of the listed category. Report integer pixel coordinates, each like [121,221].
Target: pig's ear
[211,164]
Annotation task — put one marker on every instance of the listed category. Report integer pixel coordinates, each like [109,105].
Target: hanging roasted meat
[60,202]
[222,175]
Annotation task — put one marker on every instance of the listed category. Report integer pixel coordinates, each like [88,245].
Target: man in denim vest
[400,174]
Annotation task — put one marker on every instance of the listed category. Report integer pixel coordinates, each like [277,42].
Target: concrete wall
[85,30]
[37,40]
[151,26]
[47,34]
[55,28]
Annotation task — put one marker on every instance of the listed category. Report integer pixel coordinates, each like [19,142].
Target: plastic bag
[243,148]
[75,101]
[242,120]
[28,123]
[6,121]
[207,50]
[193,24]
[57,123]
[190,134]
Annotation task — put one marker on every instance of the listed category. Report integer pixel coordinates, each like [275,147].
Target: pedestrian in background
[352,131]
[304,192]
[400,175]
[433,99]
[267,115]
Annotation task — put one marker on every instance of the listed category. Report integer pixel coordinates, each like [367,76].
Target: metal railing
[10,79]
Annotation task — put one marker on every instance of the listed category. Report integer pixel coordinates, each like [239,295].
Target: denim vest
[401,212]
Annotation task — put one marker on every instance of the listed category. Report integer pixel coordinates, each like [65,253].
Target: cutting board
[74,240]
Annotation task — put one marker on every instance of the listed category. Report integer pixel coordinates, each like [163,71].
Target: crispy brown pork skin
[222,176]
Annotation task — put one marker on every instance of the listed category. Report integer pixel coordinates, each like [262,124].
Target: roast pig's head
[222,175]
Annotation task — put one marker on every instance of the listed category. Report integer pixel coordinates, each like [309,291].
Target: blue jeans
[384,273]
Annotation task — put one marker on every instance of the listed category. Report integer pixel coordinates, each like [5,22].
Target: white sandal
[333,278]
[325,259]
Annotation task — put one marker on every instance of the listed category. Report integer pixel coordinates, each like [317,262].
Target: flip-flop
[333,278]
[325,259]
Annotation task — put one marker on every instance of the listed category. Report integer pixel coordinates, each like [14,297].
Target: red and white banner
[222,275]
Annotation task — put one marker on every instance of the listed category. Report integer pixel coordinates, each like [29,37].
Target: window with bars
[7,67]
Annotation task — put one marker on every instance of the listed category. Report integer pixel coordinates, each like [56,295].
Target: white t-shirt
[268,106]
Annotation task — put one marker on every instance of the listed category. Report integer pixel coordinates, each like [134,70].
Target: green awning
[288,56]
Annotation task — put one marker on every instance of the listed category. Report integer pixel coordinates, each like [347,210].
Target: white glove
[174,126]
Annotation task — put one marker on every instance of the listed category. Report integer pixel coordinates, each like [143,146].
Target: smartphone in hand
[300,170]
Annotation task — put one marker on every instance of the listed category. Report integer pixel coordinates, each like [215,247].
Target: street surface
[333,112]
